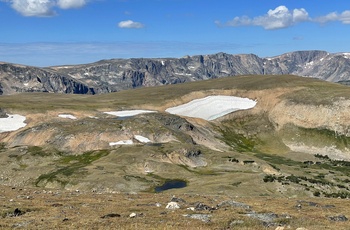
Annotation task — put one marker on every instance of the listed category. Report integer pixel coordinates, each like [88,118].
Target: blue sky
[56,32]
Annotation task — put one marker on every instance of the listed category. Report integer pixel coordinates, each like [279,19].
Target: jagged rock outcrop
[120,74]
[18,78]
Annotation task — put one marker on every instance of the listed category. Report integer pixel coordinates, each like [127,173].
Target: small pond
[171,184]
[122,118]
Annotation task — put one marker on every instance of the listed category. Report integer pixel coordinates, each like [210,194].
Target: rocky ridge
[119,74]
[18,78]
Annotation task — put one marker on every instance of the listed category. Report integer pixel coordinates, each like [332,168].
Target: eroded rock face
[17,78]
[120,74]
[188,157]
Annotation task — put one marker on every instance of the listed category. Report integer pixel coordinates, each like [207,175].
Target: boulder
[172,205]
[3,113]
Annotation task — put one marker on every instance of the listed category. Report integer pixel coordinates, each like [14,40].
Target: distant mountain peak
[119,74]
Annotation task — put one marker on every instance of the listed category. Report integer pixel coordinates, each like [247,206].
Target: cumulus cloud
[130,24]
[343,17]
[43,8]
[67,4]
[29,8]
[278,18]
[281,17]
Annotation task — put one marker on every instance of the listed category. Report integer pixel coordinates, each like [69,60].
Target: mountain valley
[292,145]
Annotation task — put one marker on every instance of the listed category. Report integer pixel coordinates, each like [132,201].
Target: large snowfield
[212,107]
[12,123]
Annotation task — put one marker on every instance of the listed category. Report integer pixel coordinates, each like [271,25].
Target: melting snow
[124,142]
[142,139]
[129,113]
[212,107]
[69,116]
[12,123]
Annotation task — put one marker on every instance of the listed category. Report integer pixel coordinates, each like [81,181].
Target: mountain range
[119,74]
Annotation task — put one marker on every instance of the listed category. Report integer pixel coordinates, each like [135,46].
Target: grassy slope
[313,91]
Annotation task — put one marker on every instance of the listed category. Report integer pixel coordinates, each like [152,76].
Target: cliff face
[120,74]
[17,78]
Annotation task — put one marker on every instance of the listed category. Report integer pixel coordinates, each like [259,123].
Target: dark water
[170,184]
[123,118]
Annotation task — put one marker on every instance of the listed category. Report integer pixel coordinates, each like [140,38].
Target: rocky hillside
[293,142]
[120,74]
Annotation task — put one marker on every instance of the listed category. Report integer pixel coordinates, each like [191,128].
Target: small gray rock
[202,217]
[338,218]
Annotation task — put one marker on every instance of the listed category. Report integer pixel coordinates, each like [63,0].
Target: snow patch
[163,62]
[212,107]
[310,63]
[129,113]
[142,139]
[12,122]
[183,74]
[123,142]
[69,116]
[346,55]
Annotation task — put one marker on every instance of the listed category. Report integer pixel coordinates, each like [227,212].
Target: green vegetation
[237,141]
[342,195]
[41,152]
[315,137]
[277,160]
[69,166]
[2,146]
[85,158]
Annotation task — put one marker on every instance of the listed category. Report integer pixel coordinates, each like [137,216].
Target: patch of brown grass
[77,210]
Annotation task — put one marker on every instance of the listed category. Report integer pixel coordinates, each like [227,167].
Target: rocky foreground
[33,208]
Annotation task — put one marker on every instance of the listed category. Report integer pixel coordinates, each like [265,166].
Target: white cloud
[130,24]
[344,17]
[43,8]
[282,17]
[68,4]
[279,18]
[40,8]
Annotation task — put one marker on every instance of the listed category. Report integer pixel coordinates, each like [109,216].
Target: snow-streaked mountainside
[120,74]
